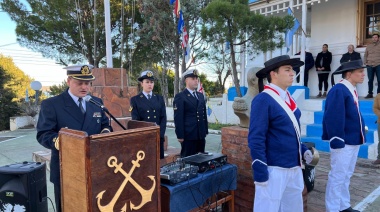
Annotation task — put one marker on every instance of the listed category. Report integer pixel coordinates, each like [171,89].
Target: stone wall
[235,146]
[111,86]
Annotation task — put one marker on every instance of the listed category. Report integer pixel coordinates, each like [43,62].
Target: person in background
[376,110]
[343,125]
[322,65]
[350,55]
[68,110]
[274,140]
[190,117]
[150,107]
[309,64]
[372,62]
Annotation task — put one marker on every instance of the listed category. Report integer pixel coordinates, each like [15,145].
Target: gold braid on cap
[149,74]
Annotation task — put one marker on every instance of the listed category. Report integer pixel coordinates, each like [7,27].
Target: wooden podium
[116,171]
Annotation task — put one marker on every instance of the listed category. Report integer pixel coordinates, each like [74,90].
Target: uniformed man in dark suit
[150,107]
[68,110]
[190,117]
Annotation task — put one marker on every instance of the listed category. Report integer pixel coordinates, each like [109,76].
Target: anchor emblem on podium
[146,195]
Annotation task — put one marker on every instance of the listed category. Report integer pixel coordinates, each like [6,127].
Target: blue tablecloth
[193,193]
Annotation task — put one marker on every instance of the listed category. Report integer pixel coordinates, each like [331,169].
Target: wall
[333,23]
[221,111]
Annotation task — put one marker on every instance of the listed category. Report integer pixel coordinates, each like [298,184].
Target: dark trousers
[371,70]
[322,78]
[162,141]
[298,77]
[57,195]
[305,78]
[192,147]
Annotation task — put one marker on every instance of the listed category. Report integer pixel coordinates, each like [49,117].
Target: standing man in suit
[190,117]
[309,64]
[150,107]
[343,125]
[68,110]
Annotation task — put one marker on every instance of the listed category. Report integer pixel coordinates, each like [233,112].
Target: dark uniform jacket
[190,117]
[61,111]
[153,110]
[347,57]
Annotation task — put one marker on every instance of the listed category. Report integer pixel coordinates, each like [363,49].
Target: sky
[31,63]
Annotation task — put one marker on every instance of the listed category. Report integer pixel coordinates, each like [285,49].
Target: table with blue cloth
[194,192]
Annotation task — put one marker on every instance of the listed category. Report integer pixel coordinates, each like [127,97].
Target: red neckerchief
[292,105]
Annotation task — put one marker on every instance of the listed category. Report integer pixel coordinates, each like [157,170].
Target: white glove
[308,156]
[261,183]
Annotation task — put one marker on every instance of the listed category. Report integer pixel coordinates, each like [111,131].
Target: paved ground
[365,184]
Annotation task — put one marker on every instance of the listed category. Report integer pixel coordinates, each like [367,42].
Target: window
[372,19]
[369,20]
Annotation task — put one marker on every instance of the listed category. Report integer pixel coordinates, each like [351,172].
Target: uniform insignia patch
[97,114]
[130,108]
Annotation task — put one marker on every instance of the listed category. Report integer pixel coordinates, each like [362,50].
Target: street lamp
[36,86]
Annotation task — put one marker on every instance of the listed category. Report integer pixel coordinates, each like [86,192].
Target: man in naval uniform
[190,119]
[343,126]
[150,107]
[69,110]
[274,140]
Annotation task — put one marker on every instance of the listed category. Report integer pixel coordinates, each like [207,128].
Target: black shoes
[349,210]
[369,96]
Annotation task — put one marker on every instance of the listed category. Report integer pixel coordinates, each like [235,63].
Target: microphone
[88,98]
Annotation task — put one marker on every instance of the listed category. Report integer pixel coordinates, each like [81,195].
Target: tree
[231,21]
[160,32]
[17,81]
[8,104]
[58,89]
[67,30]
[219,61]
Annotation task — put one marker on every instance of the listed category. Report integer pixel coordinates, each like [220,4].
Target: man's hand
[180,140]
[308,156]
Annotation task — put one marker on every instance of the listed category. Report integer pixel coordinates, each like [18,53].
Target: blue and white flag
[289,34]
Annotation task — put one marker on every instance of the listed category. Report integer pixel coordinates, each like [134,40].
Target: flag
[209,110]
[200,88]
[172,2]
[177,7]
[181,23]
[289,34]
[187,54]
[185,44]
[185,37]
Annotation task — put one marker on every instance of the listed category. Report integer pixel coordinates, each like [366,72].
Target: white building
[337,23]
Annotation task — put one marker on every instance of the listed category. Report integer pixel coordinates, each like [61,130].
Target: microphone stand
[106,110]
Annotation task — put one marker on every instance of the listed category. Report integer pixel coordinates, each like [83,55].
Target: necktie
[148,96]
[195,95]
[81,106]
